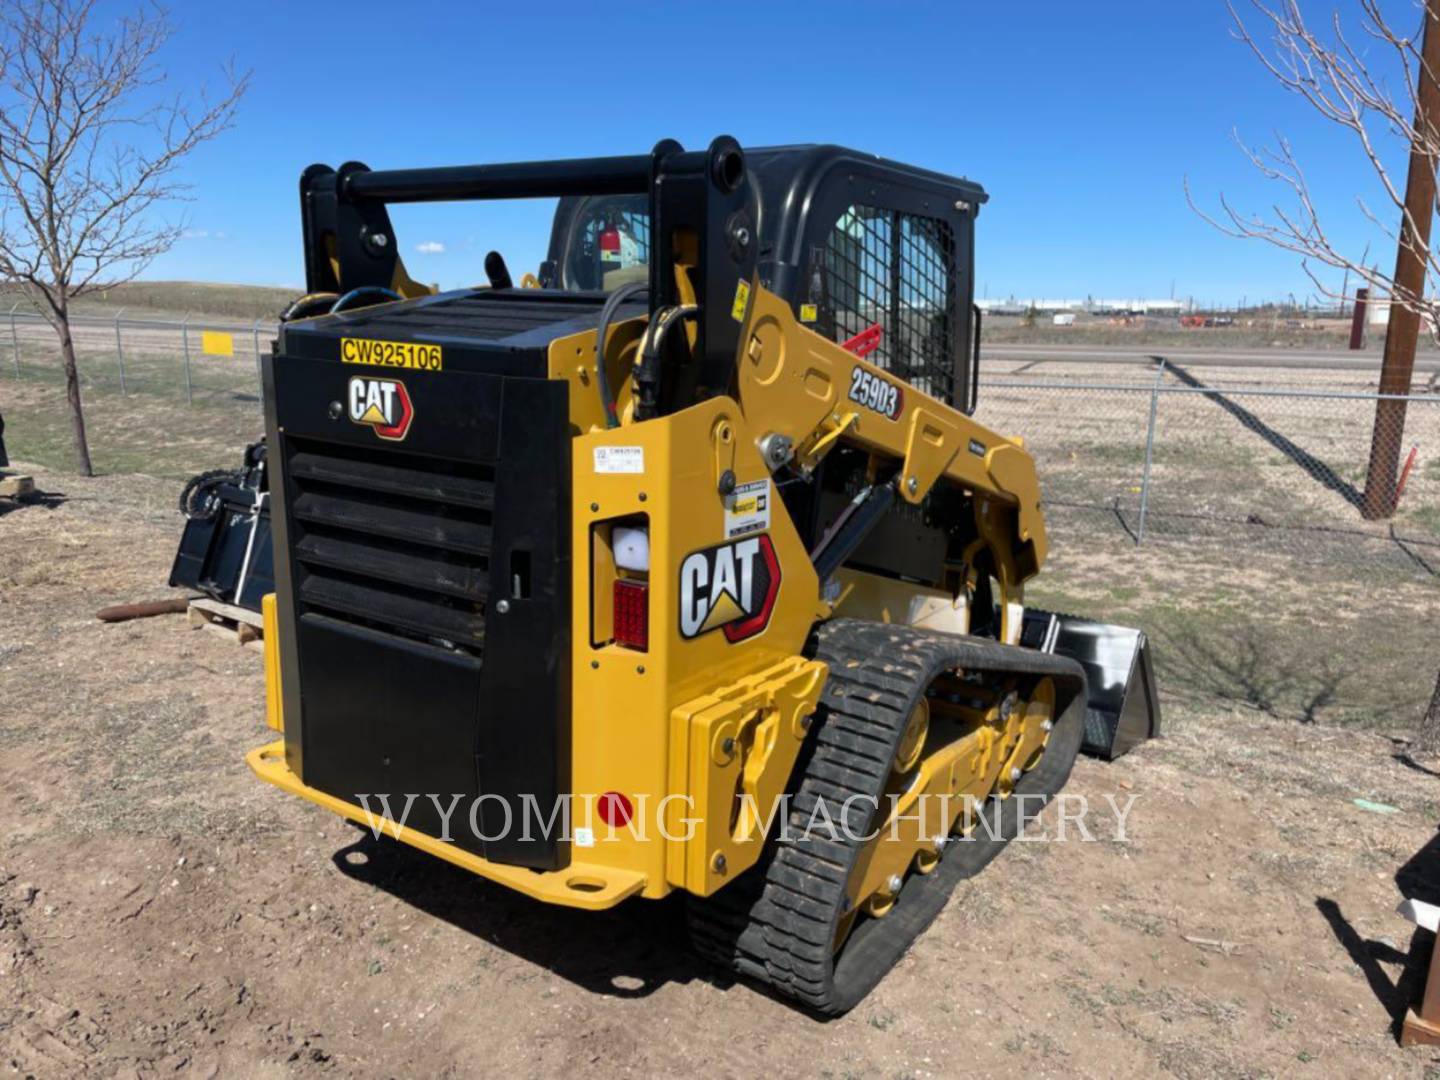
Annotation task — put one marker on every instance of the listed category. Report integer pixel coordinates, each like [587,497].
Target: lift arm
[798,385]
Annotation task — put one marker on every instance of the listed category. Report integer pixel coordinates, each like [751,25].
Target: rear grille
[392,541]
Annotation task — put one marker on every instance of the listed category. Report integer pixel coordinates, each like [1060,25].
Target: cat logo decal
[382,404]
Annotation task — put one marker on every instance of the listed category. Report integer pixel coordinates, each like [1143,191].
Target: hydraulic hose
[602,377]
[647,368]
[309,305]
[364,290]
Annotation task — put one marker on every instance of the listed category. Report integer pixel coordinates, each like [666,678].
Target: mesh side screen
[891,269]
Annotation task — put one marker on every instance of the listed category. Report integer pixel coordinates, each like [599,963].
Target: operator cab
[868,251]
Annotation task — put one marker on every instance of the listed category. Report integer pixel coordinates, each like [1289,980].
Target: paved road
[1317,359]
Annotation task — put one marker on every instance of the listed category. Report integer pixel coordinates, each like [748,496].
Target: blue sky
[1082,121]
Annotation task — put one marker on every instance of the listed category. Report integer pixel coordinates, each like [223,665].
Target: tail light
[632,614]
[620,573]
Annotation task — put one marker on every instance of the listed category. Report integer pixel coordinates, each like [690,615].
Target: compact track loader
[680,565]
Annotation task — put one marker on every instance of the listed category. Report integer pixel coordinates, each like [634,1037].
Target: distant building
[1089,306]
[1377,314]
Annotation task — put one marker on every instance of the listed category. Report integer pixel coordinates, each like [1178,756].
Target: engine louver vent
[392,541]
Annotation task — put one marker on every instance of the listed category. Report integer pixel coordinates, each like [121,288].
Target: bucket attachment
[1123,709]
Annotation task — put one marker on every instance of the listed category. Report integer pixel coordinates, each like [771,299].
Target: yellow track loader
[680,565]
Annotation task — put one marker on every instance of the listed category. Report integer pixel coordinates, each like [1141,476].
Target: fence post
[120,352]
[185,338]
[1149,453]
[259,372]
[15,338]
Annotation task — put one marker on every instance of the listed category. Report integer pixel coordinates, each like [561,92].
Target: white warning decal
[619,459]
[749,509]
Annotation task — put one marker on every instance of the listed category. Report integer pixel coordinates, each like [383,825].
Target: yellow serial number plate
[394,354]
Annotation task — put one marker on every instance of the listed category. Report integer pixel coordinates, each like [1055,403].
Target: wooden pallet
[237,624]
[15,486]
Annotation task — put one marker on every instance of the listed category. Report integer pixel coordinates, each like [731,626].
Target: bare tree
[90,140]
[1344,86]
[1351,86]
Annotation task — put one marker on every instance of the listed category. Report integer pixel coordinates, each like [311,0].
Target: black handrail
[519,180]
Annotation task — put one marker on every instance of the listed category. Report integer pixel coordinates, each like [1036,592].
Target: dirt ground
[162,912]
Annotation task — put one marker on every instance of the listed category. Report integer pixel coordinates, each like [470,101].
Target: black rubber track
[777,922]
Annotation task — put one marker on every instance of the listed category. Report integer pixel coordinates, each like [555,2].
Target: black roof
[796,182]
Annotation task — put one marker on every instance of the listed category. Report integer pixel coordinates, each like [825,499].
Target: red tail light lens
[632,614]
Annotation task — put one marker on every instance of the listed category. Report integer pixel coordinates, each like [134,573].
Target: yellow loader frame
[698,726]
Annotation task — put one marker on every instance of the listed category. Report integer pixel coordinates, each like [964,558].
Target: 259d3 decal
[873,392]
[731,587]
[381,404]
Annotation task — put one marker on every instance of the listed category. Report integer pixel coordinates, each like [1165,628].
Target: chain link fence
[198,360]
[1170,455]
[1214,456]
[1222,512]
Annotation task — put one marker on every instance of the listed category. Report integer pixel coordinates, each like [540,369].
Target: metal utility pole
[1411,262]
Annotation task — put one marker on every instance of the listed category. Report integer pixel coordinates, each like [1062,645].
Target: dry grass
[179,298]
[142,434]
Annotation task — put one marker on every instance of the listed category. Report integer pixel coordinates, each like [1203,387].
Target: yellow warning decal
[809,312]
[742,298]
[393,354]
[216,343]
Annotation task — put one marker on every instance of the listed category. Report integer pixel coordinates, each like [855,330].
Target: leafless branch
[1345,84]
[91,141]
